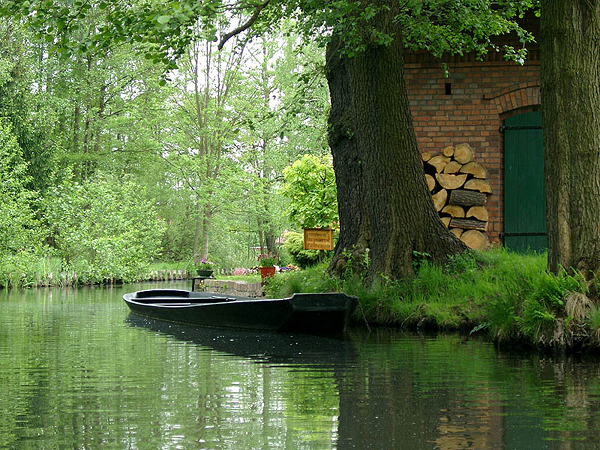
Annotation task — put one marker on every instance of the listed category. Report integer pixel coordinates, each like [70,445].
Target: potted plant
[204,267]
[267,264]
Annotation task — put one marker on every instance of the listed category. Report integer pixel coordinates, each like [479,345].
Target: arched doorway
[524,194]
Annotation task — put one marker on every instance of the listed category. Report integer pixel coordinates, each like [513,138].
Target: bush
[105,228]
[294,246]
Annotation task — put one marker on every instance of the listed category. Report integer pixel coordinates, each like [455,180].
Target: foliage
[313,279]
[312,193]
[164,29]
[593,322]
[20,231]
[357,263]
[545,304]
[104,228]
[294,246]
[30,114]
[268,260]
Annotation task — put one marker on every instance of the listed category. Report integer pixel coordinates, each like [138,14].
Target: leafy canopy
[312,193]
[162,30]
[19,228]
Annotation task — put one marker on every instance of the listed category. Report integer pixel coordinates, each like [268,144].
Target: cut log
[448,151]
[425,156]
[446,221]
[465,197]
[478,212]
[476,184]
[439,162]
[463,153]
[468,224]
[475,239]
[475,169]
[439,199]
[457,232]
[449,181]
[454,211]
[453,167]
[430,182]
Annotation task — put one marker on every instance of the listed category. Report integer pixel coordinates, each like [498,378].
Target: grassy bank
[508,296]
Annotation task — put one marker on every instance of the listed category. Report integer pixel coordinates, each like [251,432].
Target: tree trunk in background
[570,70]
[76,125]
[197,231]
[205,235]
[372,108]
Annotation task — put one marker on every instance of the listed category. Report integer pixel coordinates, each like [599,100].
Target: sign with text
[318,239]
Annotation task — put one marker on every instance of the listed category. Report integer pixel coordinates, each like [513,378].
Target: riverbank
[509,297]
[70,278]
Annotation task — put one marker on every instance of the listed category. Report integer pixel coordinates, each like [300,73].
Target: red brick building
[472,105]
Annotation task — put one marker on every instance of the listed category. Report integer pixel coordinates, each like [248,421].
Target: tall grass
[26,270]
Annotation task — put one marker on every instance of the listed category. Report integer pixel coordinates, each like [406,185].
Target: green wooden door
[524,197]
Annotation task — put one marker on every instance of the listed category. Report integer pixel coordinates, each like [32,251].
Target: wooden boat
[311,313]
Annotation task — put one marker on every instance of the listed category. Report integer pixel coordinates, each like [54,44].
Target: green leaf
[163,19]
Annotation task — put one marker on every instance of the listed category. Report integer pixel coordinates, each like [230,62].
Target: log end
[475,239]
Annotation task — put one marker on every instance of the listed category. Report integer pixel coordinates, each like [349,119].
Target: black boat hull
[313,313]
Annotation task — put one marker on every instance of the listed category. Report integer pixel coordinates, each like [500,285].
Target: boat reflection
[263,347]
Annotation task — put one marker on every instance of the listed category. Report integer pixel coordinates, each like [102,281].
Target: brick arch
[516,97]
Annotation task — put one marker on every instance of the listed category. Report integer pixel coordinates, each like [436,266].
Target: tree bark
[376,158]
[570,84]
[355,235]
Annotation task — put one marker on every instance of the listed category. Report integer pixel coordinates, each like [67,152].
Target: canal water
[78,371]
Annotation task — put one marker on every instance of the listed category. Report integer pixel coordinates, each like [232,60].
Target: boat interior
[175,297]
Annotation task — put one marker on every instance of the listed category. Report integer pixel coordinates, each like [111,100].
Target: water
[78,371]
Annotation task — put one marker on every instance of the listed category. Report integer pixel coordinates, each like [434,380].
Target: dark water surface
[78,371]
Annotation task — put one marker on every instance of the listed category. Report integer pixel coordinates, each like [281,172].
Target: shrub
[105,228]
[294,246]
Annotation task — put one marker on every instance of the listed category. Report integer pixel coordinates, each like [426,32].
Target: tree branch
[244,26]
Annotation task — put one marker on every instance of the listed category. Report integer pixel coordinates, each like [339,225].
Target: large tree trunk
[570,68]
[370,109]
[355,232]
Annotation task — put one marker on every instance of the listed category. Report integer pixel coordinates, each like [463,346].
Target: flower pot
[206,273]
[266,272]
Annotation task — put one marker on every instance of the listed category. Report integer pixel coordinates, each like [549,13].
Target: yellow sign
[318,239]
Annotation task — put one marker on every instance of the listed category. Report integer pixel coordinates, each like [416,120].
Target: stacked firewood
[460,190]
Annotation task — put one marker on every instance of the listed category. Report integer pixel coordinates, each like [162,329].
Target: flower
[269,260]
[203,264]
[240,271]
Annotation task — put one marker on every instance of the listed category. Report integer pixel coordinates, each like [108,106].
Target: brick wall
[470,106]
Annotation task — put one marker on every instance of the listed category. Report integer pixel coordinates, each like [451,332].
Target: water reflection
[77,370]
[263,347]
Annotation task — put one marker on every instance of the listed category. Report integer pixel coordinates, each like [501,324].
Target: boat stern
[323,313]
